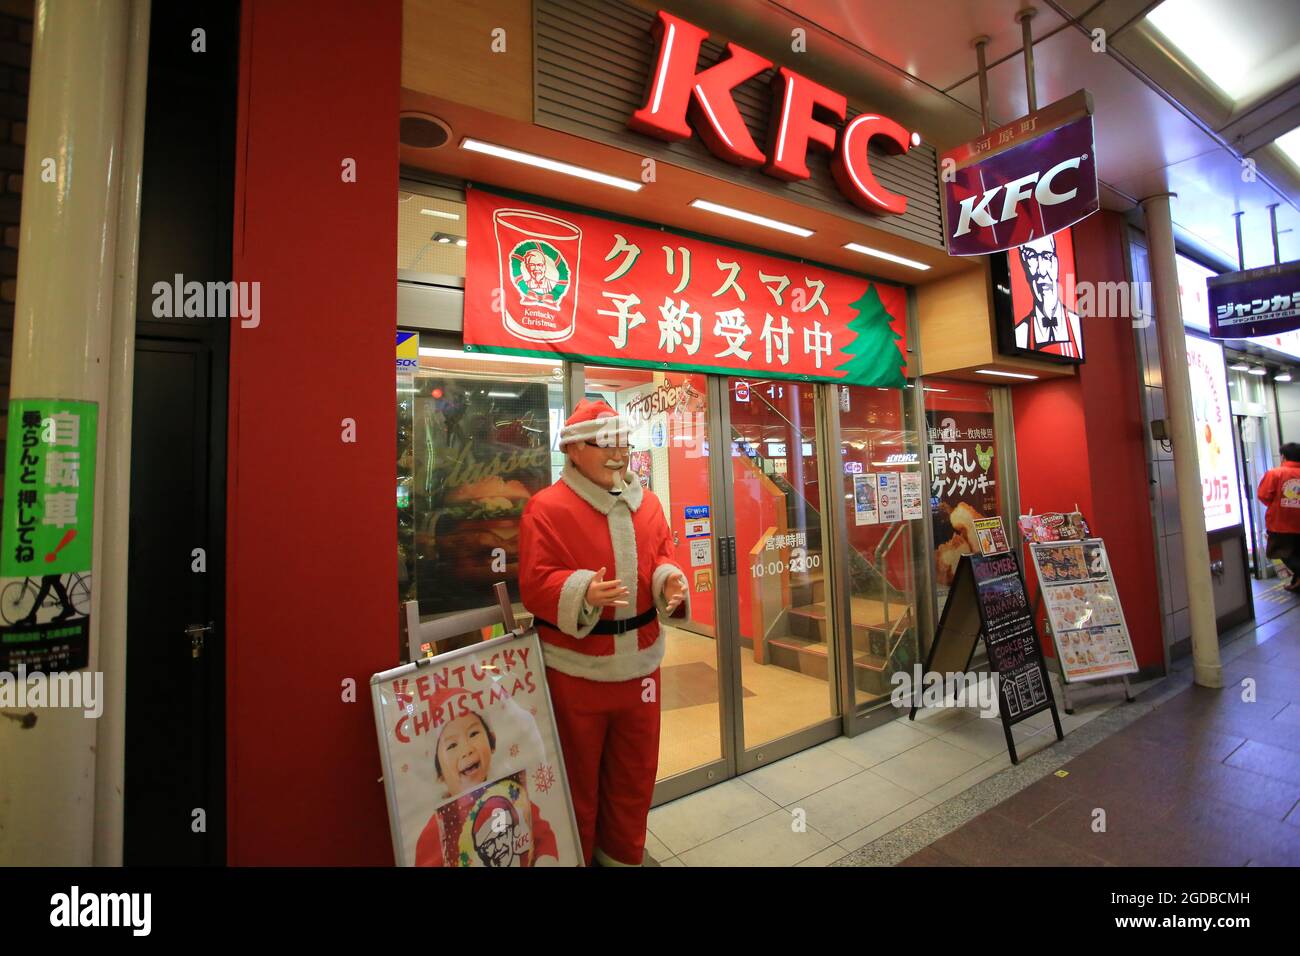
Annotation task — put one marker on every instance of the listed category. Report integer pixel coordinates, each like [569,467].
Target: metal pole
[1023,17]
[980,42]
[110,752]
[1206,666]
[1272,223]
[62,335]
[1241,255]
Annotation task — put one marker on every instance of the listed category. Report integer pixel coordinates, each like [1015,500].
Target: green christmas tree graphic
[877,359]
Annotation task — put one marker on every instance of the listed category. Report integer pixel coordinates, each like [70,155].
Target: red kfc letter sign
[677,91]
[677,86]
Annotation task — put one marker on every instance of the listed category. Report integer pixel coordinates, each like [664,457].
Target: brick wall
[15,61]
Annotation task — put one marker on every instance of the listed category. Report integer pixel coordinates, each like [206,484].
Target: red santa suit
[602,665]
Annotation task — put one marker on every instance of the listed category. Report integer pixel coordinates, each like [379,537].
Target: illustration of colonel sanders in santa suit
[1050,327]
[600,632]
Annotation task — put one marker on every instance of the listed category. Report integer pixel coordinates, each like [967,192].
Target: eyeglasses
[1031,258]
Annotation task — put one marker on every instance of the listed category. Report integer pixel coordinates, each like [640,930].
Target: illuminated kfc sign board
[681,97]
[1022,182]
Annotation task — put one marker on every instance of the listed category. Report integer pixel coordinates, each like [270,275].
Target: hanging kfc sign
[682,97]
[1026,180]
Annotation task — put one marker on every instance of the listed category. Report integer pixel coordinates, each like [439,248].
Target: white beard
[617,473]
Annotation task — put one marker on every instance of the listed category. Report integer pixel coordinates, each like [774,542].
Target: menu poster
[891,505]
[1010,636]
[911,494]
[865,510]
[992,536]
[1092,640]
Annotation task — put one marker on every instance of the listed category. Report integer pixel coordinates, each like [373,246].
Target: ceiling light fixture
[1282,377]
[887,256]
[439,213]
[1259,370]
[553,165]
[1239,367]
[756,219]
[1289,143]
[991,371]
[916,139]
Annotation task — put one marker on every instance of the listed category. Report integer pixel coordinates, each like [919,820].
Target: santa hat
[594,421]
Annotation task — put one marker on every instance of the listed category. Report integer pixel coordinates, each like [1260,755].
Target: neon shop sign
[678,92]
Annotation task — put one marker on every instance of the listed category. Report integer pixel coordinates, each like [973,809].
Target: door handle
[731,554]
[724,566]
[196,632]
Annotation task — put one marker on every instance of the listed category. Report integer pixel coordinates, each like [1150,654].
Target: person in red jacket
[1280,491]
[600,632]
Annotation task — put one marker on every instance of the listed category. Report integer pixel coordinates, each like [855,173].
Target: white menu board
[1092,640]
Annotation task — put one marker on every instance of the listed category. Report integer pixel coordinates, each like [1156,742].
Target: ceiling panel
[929,39]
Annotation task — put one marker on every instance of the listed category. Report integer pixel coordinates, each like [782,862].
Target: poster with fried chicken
[472,765]
[963,485]
[1092,639]
[482,448]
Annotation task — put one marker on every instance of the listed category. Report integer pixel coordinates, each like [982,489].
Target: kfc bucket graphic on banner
[537,255]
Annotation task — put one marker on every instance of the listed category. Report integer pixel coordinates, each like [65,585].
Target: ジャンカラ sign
[46,547]
[577,286]
[1263,301]
[1028,179]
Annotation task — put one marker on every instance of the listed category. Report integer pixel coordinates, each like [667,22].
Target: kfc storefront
[601,202]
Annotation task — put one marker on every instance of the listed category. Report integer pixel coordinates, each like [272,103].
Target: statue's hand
[675,590]
[602,593]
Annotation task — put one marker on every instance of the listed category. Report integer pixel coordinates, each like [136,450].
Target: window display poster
[865,510]
[1213,419]
[473,771]
[963,484]
[889,497]
[479,454]
[1092,640]
[910,490]
[49,509]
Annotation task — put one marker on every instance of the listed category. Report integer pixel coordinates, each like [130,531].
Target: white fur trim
[607,668]
[598,497]
[609,430]
[604,859]
[657,583]
[573,594]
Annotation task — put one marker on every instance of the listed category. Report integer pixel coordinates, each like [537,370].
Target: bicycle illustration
[19,597]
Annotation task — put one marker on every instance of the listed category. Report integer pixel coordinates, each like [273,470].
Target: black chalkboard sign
[988,600]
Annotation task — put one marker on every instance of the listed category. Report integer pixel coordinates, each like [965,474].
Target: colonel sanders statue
[600,631]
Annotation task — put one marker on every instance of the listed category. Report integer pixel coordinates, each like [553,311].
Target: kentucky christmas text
[474,688]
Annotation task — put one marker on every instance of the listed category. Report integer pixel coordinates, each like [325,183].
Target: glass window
[430,233]
[475,439]
[882,486]
[963,472]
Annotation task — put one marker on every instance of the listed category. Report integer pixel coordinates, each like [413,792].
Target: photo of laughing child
[486,824]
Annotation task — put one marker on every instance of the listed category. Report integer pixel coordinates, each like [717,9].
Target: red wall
[1082,440]
[311,533]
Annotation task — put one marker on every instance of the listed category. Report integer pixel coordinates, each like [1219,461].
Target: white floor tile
[852,804]
[928,766]
[879,744]
[826,857]
[770,841]
[968,779]
[701,816]
[939,720]
[796,777]
[655,847]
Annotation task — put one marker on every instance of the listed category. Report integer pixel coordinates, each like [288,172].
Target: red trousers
[610,737]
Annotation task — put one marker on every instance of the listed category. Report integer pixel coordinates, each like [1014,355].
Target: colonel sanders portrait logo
[1047,326]
[539,273]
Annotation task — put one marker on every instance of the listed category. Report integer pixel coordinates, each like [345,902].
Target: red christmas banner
[558,283]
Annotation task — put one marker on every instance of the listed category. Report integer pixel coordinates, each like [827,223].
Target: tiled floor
[1185,775]
[816,807]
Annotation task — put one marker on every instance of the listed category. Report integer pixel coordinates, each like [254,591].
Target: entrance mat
[687,685]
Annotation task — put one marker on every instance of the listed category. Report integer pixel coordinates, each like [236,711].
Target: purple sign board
[1255,302]
[1028,179]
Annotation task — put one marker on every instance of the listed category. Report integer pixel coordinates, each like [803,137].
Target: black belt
[615,626]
